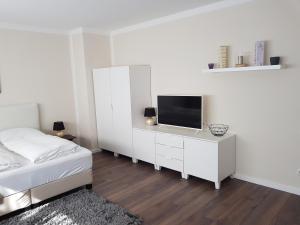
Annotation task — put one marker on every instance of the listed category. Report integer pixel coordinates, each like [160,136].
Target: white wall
[97,55]
[35,67]
[44,68]
[262,108]
[80,88]
[88,51]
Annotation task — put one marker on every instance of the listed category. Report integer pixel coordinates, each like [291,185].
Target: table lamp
[59,127]
[150,115]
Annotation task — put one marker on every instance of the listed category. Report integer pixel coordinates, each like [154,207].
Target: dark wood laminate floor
[164,198]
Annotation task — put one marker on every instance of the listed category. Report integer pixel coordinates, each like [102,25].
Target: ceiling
[104,15]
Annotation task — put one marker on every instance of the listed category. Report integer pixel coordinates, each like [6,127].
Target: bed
[31,182]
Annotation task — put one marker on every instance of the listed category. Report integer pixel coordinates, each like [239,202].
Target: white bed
[32,183]
[32,175]
[14,180]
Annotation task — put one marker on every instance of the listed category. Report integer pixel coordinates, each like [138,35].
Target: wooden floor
[164,198]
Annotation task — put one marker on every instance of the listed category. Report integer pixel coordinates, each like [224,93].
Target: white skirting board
[268,183]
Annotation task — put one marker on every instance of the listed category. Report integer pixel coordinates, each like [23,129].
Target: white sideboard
[196,153]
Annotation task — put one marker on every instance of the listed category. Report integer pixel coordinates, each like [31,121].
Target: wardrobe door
[103,104]
[121,99]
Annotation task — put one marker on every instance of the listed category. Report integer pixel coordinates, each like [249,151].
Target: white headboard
[23,115]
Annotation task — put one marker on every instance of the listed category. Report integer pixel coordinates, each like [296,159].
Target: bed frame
[27,115]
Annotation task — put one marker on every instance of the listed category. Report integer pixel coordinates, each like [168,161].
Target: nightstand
[68,137]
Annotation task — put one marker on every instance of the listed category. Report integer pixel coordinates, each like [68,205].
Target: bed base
[31,198]
[57,187]
[14,202]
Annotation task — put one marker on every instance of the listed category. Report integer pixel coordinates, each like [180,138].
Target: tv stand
[191,152]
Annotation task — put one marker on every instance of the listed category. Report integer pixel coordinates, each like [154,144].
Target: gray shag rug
[81,208]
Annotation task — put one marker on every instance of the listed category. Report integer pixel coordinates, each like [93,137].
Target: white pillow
[12,133]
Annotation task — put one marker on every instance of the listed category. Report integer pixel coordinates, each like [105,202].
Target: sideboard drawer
[169,152]
[169,140]
[172,164]
[169,157]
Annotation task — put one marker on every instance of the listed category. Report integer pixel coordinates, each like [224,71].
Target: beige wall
[88,51]
[44,68]
[80,86]
[35,67]
[97,55]
[262,108]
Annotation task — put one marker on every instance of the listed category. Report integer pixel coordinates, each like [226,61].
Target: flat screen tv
[183,111]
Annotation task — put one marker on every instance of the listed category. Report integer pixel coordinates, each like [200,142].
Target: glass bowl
[218,129]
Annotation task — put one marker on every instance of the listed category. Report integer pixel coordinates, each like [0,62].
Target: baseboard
[268,183]
[95,150]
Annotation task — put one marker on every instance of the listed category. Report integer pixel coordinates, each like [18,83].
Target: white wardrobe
[121,95]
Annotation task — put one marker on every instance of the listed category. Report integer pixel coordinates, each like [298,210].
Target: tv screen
[184,111]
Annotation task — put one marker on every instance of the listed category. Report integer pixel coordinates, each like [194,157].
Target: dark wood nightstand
[68,137]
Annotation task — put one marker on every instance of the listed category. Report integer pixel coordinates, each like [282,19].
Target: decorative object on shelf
[240,62]
[218,129]
[259,53]
[211,66]
[150,115]
[241,65]
[223,58]
[240,59]
[59,127]
[275,60]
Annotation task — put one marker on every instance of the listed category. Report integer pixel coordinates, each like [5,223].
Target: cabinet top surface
[186,132]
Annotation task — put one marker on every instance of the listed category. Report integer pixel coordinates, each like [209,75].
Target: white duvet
[9,160]
[35,145]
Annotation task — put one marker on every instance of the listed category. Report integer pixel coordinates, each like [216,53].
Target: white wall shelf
[242,69]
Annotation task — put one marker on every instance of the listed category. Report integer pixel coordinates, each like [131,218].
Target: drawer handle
[176,159]
[170,146]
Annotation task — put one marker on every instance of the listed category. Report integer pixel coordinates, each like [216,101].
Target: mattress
[33,175]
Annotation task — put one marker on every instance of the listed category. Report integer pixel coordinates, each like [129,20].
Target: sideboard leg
[184,176]
[157,167]
[217,185]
